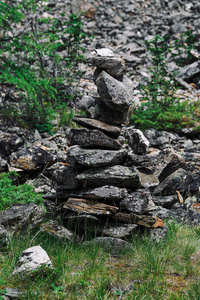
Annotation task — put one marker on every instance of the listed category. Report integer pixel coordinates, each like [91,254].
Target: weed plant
[11,192]
[32,61]
[150,270]
[160,109]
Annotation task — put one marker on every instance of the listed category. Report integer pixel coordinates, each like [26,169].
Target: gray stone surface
[109,129]
[91,138]
[4,238]
[96,157]
[31,260]
[19,216]
[118,176]
[139,202]
[95,108]
[65,177]
[122,231]
[117,94]
[106,60]
[106,192]
[136,140]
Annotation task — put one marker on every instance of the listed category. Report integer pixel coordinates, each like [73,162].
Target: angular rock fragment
[32,159]
[96,157]
[148,178]
[136,140]
[19,216]
[90,207]
[120,231]
[9,142]
[91,138]
[117,175]
[171,183]
[110,130]
[139,202]
[55,229]
[95,108]
[106,192]
[3,165]
[65,177]
[3,237]
[164,201]
[105,59]
[31,260]
[113,92]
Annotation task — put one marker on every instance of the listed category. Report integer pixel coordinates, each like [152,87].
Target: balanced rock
[105,59]
[117,94]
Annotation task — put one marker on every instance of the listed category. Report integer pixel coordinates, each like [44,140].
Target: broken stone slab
[89,207]
[19,216]
[133,159]
[31,260]
[110,244]
[96,157]
[106,192]
[119,176]
[139,202]
[122,231]
[65,178]
[136,140]
[32,159]
[110,130]
[95,108]
[53,228]
[105,59]
[143,220]
[9,142]
[115,93]
[87,138]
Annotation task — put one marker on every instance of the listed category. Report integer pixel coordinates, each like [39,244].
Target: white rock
[32,259]
[103,52]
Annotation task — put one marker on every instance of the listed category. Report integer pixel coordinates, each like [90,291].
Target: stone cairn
[100,185]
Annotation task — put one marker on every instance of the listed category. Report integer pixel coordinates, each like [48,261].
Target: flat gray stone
[118,176]
[110,130]
[96,157]
[106,192]
[120,231]
[91,138]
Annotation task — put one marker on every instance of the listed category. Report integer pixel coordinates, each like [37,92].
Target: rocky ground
[166,165]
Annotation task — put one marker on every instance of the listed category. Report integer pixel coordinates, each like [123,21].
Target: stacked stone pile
[97,180]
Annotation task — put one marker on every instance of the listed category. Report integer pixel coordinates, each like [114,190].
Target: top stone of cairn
[106,59]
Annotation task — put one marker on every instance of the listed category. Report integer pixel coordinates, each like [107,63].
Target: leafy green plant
[41,60]
[11,193]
